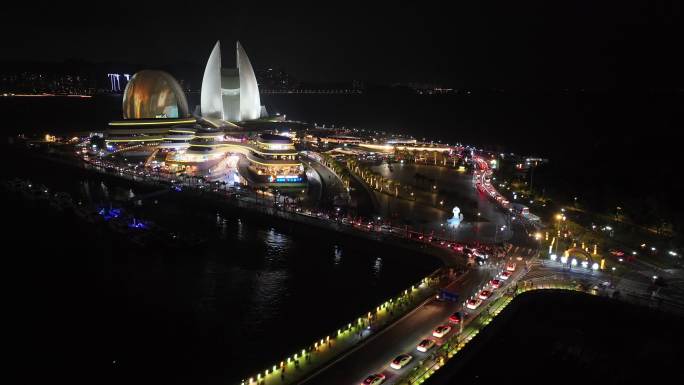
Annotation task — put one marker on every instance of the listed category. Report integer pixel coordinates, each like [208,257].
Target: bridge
[349,360]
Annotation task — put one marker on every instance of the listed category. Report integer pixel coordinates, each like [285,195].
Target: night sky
[503,44]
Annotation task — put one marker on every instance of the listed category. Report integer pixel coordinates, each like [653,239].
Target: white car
[505,275]
[510,266]
[374,379]
[441,331]
[484,294]
[473,303]
[425,345]
[400,361]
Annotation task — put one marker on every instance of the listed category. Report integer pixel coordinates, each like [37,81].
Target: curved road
[376,353]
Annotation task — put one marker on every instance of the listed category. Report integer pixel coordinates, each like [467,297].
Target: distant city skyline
[580,44]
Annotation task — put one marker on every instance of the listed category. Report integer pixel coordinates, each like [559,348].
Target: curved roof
[154,94]
[250,103]
[271,138]
[210,96]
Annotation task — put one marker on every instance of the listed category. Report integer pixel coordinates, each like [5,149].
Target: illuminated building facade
[153,104]
[156,121]
[274,159]
[153,95]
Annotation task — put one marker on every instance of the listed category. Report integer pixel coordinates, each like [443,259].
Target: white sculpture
[230,93]
[456,220]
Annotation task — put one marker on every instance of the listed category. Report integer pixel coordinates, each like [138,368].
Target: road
[454,188]
[331,183]
[632,284]
[375,354]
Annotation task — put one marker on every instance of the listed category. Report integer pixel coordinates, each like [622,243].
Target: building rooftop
[271,138]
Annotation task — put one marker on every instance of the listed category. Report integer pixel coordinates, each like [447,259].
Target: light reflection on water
[105,190]
[338,255]
[208,284]
[377,266]
[269,287]
[230,300]
[240,233]
[276,244]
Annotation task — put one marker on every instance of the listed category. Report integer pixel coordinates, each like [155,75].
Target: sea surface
[569,338]
[89,306]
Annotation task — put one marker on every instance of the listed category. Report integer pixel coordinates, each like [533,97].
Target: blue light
[108,214]
[137,225]
[288,179]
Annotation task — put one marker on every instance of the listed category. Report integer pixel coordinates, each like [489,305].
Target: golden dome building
[153,103]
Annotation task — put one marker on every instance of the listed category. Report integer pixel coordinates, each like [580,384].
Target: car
[425,345]
[479,254]
[495,283]
[505,275]
[456,318]
[441,331]
[400,361]
[510,266]
[473,303]
[374,379]
[484,294]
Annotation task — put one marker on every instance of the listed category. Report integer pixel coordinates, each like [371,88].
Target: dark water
[568,338]
[89,307]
